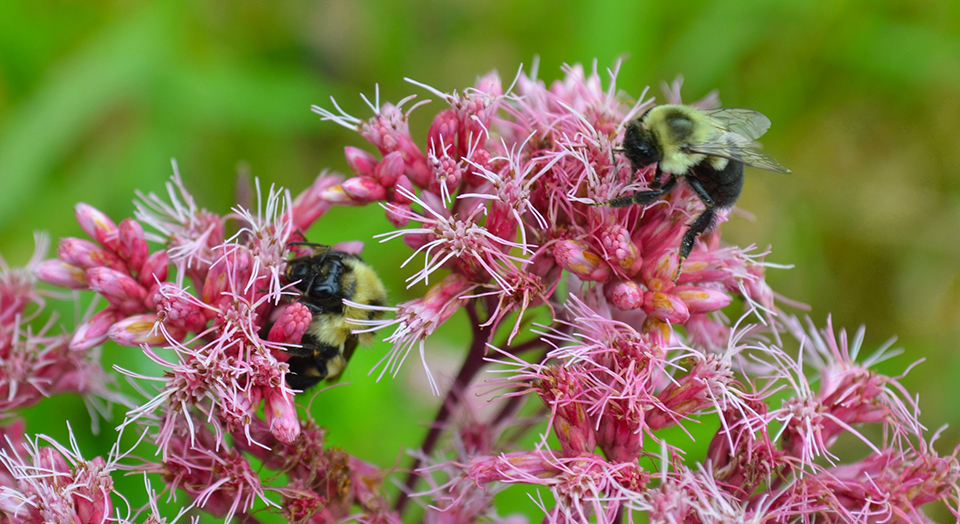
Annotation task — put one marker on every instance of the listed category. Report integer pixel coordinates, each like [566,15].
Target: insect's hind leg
[702,223]
[642,197]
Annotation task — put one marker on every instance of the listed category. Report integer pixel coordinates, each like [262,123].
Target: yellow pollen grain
[689,267]
[591,258]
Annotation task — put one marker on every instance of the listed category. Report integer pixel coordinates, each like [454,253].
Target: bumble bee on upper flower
[705,148]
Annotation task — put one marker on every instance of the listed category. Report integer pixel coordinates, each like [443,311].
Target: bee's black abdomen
[722,185]
[304,373]
[308,366]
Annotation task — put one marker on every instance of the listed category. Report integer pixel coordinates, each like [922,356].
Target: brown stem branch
[471,365]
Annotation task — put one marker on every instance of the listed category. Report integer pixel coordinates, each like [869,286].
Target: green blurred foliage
[96,97]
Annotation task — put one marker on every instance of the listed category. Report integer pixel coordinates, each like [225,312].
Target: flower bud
[503,467]
[310,205]
[335,195]
[443,131]
[291,325]
[666,307]
[118,288]
[401,197]
[658,235]
[132,246]
[361,162]
[576,258]
[142,329]
[627,295]
[658,273]
[620,440]
[490,84]
[216,283]
[97,225]
[60,273]
[399,214]
[362,189]
[703,266]
[94,331]
[702,300]
[620,249]
[50,461]
[154,269]
[415,162]
[389,169]
[281,414]
[86,254]
[501,222]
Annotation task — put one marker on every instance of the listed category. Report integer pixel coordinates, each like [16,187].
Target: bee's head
[640,145]
[319,278]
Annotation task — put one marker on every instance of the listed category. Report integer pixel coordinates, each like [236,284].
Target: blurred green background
[97,97]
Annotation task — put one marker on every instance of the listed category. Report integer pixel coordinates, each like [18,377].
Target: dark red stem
[471,365]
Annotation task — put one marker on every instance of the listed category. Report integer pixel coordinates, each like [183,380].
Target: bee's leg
[655,183]
[701,224]
[311,304]
[701,191]
[310,244]
[642,197]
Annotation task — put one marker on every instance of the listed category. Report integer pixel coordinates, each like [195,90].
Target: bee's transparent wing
[744,122]
[734,146]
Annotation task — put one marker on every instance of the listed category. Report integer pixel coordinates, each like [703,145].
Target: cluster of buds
[504,204]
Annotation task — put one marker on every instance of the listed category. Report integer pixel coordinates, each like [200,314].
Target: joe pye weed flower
[498,213]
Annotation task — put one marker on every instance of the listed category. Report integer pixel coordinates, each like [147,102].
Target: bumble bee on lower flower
[325,280]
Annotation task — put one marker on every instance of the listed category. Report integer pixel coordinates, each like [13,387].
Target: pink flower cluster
[501,206]
[229,341]
[35,361]
[504,198]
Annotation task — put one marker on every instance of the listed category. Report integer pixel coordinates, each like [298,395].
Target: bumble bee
[706,148]
[324,280]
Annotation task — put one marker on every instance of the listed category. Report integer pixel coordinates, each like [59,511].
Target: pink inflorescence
[503,200]
[501,212]
[215,293]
